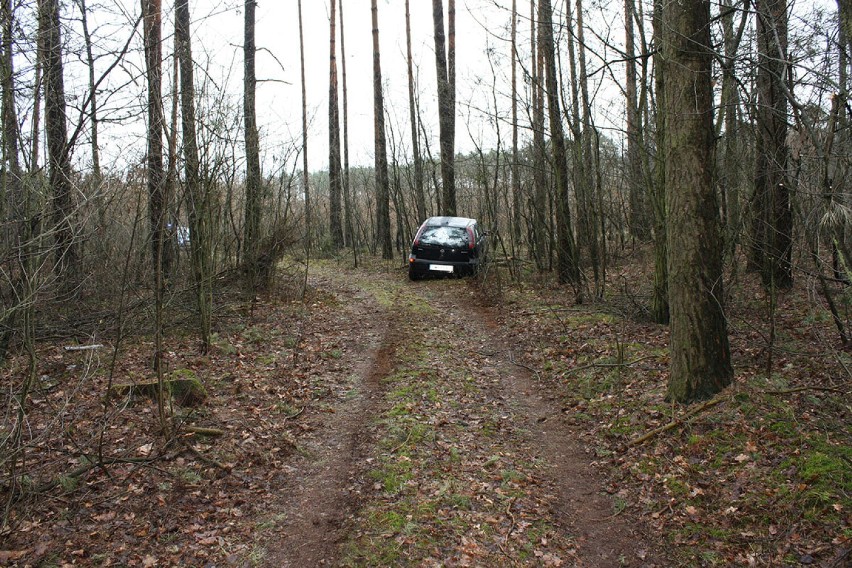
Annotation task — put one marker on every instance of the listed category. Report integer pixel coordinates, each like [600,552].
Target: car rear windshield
[453,237]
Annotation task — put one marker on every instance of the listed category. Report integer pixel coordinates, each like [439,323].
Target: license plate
[441,267]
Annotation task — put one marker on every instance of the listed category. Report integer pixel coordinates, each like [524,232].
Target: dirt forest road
[440,450]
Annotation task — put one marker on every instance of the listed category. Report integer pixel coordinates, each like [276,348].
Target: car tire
[413,276]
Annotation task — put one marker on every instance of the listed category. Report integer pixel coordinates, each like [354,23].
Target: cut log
[184,391]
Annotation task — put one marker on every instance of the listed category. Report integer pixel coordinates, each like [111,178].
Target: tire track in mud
[321,491]
[603,538]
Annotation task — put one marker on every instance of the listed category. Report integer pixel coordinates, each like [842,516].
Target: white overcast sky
[279,104]
[217,28]
[482,26]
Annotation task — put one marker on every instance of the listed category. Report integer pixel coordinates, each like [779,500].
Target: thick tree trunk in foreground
[382,182]
[700,353]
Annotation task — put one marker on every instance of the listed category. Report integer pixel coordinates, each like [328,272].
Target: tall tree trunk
[38,91]
[586,188]
[516,177]
[772,216]
[59,160]
[334,168]
[419,196]
[251,228]
[568,268]
[12,200]
[157,202]
[347,198]
[382,182]
[700,353]
[200,214]
[541,219]
[660,296]
[305,172]
[445,67]
[93,99]
[639,221]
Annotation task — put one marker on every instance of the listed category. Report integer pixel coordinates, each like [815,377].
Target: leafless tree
[334,166]
[251,228]
[381,163]
[445,67]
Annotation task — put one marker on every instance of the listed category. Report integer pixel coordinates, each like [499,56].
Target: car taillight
[471,243]
[411,258]
[417,236]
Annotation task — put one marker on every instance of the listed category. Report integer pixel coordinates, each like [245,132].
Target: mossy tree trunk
[700,353]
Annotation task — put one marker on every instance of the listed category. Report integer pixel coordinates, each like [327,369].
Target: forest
[211,355]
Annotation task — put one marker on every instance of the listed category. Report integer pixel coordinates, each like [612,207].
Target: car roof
[450,221]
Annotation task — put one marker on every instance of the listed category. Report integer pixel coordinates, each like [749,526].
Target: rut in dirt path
[321,493]
[602,537]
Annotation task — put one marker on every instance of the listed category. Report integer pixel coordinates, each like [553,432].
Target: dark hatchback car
[447,246]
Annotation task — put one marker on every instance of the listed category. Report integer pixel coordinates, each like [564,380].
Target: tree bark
[660,297]
[251,227]
[516,174]
[334,166]
[93,99]
[59,161]
[305,172]
[586,167]
[347,198]
[568,268]
[639,218]
[200,215]
[419,196]
[381,157]
[700,353]
[773,220]
[12,196]
[445,68]
[541,219]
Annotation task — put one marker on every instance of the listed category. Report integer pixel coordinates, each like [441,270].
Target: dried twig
[675,423]
[807,388]
[201,431]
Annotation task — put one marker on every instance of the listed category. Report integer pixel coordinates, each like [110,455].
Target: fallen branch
[803,389]
[292,416]
[83,347]
[86,468]
[511,526]
[675,423]
[209,461]
[397,448]
[522,366]
[201,431]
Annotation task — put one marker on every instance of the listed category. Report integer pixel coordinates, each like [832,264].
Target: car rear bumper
[424,267]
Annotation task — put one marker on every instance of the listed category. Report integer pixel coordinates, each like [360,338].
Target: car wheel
[413,275]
